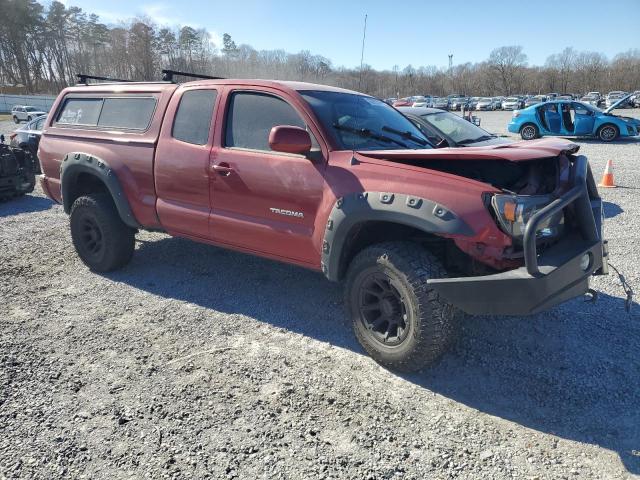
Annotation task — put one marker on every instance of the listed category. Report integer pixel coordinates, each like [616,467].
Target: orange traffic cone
[607,178]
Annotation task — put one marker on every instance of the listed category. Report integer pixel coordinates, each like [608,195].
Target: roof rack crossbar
[167,75]
[82,78]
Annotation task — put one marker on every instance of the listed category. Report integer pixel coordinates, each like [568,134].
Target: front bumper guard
[547,279]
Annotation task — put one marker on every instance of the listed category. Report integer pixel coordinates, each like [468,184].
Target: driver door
[264,201]
[584,119]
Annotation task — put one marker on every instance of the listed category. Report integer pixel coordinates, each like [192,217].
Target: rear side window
[193,118]
[80,111]
[131,113]
[251,117]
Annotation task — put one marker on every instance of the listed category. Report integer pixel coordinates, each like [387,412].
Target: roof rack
[167,75]
[82,78]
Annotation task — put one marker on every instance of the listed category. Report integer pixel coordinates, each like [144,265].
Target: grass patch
[4,117]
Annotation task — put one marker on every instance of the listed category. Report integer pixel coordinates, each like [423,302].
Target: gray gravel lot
[196,362]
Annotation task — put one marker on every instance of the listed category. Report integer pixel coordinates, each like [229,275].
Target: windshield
[455,127]
[30,109]
[512,99]
[358,122]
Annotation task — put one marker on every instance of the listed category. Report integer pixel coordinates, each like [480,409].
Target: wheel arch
[82,173]
[608,123]
[361,219]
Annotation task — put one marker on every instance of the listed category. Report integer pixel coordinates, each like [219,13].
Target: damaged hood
[516,152]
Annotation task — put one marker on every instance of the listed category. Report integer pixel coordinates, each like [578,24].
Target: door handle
[222,169]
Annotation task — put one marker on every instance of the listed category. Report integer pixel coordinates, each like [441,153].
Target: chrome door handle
[222,169]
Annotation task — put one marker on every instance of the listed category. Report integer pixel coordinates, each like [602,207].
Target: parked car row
[457,102]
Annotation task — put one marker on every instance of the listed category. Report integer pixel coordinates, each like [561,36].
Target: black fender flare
[76,163]
[357,208]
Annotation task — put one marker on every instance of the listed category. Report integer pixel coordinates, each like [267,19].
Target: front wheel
[608,133]
[529,131]
[15,119]
[398,319]
[102,240]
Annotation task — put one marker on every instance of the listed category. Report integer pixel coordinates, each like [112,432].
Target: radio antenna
[364,35]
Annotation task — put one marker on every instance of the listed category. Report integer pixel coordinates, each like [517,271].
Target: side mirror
[289,139]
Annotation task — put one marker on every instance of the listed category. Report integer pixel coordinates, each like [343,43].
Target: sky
[400,32]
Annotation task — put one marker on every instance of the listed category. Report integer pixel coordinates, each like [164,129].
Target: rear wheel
[398,319]
[608,133]
[102,240]
[529,131]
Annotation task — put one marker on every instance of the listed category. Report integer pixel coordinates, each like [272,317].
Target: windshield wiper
[407,135]
[474,140]
[366,133]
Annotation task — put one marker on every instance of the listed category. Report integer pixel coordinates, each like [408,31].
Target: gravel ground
[195,362]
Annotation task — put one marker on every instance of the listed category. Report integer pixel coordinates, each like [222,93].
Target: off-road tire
[430,320]
[94,219]
[605,136]
[526,129]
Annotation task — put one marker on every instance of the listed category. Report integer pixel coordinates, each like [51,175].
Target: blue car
[569,118]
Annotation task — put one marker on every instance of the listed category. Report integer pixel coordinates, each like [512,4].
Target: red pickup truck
[335,181]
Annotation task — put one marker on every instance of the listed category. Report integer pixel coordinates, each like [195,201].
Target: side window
[131,113]
[193,117]
[251,117]
[39,123]
[580,109]
[80,111]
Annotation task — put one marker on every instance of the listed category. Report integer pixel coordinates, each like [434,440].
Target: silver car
[535,100]
[486,103]
[511,103]
[25,113]
[441,103]
[458,103]
[592,100]
[445,129]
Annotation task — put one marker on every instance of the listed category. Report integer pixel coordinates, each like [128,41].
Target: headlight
[514,211]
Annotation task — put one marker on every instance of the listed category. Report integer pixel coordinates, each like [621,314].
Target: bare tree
[563,64]
[507,62]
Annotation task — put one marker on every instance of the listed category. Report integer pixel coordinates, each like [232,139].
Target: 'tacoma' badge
[288,213]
